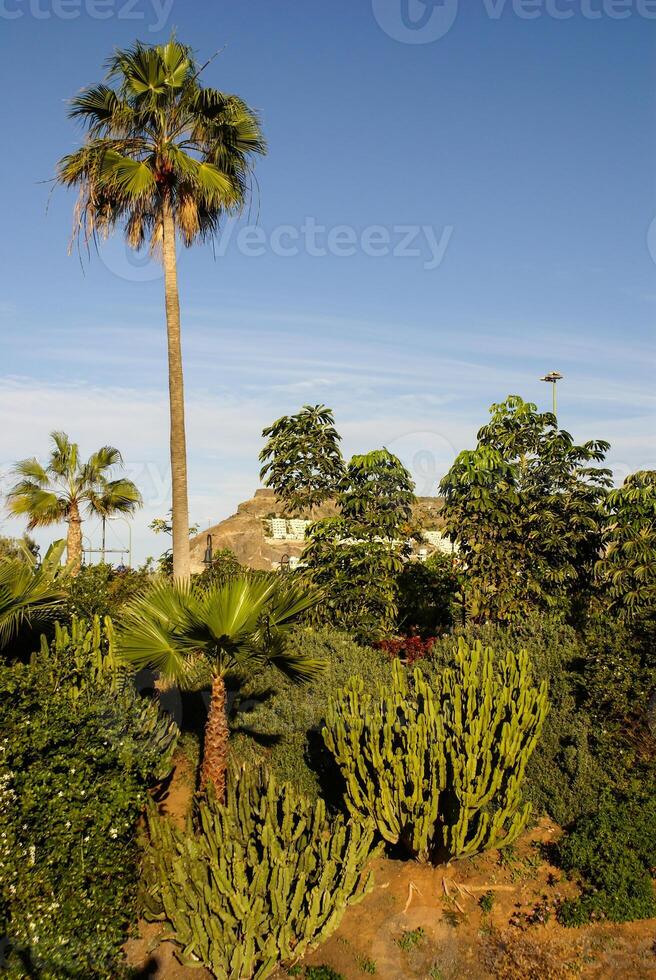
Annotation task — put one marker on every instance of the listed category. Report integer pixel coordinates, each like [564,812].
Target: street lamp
[285,563]
[553,378]
[207,559]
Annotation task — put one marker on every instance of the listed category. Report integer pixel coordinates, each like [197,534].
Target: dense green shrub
[438,764]
[613,853]
[75,761]
[101,590]
[427,596]
[280,723]
[264,878]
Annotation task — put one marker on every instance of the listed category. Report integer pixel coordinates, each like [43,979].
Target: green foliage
[627,568]
[613,853]
[427,596]
[410,939]
[164,525]
[524,507]
[224,567]
[75,759]
[277,722]
[18,547]
[301,460]
[266,877]
[191,633]
[30,594]
[377,494]
[438,763]
[357,578]
[486,902]
[159,142]
[67,485]
[322,972]
[101,590]
[596,736]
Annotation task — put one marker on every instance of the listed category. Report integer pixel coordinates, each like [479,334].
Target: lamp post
[208,558]
[284,563]
[553,378]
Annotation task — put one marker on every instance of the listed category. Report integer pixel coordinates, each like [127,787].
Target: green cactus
[440,769]
[263,878]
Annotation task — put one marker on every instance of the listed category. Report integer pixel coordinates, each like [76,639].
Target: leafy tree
[163,157]
[355,559]
[627,568]
[301,460]
[30,594]
[524,507]
[357,578]
[377,493]
[192,634]
[427,595]
[67,486]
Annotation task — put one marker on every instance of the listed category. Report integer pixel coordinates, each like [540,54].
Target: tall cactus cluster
[87,652]
[439,766]
[263,877]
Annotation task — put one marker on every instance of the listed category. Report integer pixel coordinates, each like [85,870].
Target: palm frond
[30,595]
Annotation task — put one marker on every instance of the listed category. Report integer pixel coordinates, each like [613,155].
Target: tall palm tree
[163,155]
[191,634]
[66,487]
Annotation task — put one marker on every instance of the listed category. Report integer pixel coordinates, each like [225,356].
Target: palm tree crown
[66,487]
[192,635]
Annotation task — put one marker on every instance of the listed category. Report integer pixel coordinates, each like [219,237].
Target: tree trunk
[215,750]
[74,539]
[179,500]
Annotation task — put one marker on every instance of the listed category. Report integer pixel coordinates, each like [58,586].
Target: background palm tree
[67,487]
[162,155]
[191,634]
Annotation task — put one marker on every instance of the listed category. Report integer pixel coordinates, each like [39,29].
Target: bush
[266,877]
[427,596]
[101,590]
[280,723]
[439,765]
[75,761]
[613,852]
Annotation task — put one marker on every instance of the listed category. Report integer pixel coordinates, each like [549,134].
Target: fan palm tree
[191,634]
[66,487]
[163,155]
[30,594]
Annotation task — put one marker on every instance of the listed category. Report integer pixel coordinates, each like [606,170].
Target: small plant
[411,939]
[322,973]
[367,965]
[486,902]
[435,973]
[409,649]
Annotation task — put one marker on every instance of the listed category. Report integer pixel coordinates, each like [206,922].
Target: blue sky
[513,157]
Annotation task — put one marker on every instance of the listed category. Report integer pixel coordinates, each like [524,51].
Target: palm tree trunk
[74,539]
[179,501]
[215,751]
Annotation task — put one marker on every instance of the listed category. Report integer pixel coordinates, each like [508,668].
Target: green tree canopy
[377,494]
[524,507]
[627,568]
[302,460]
